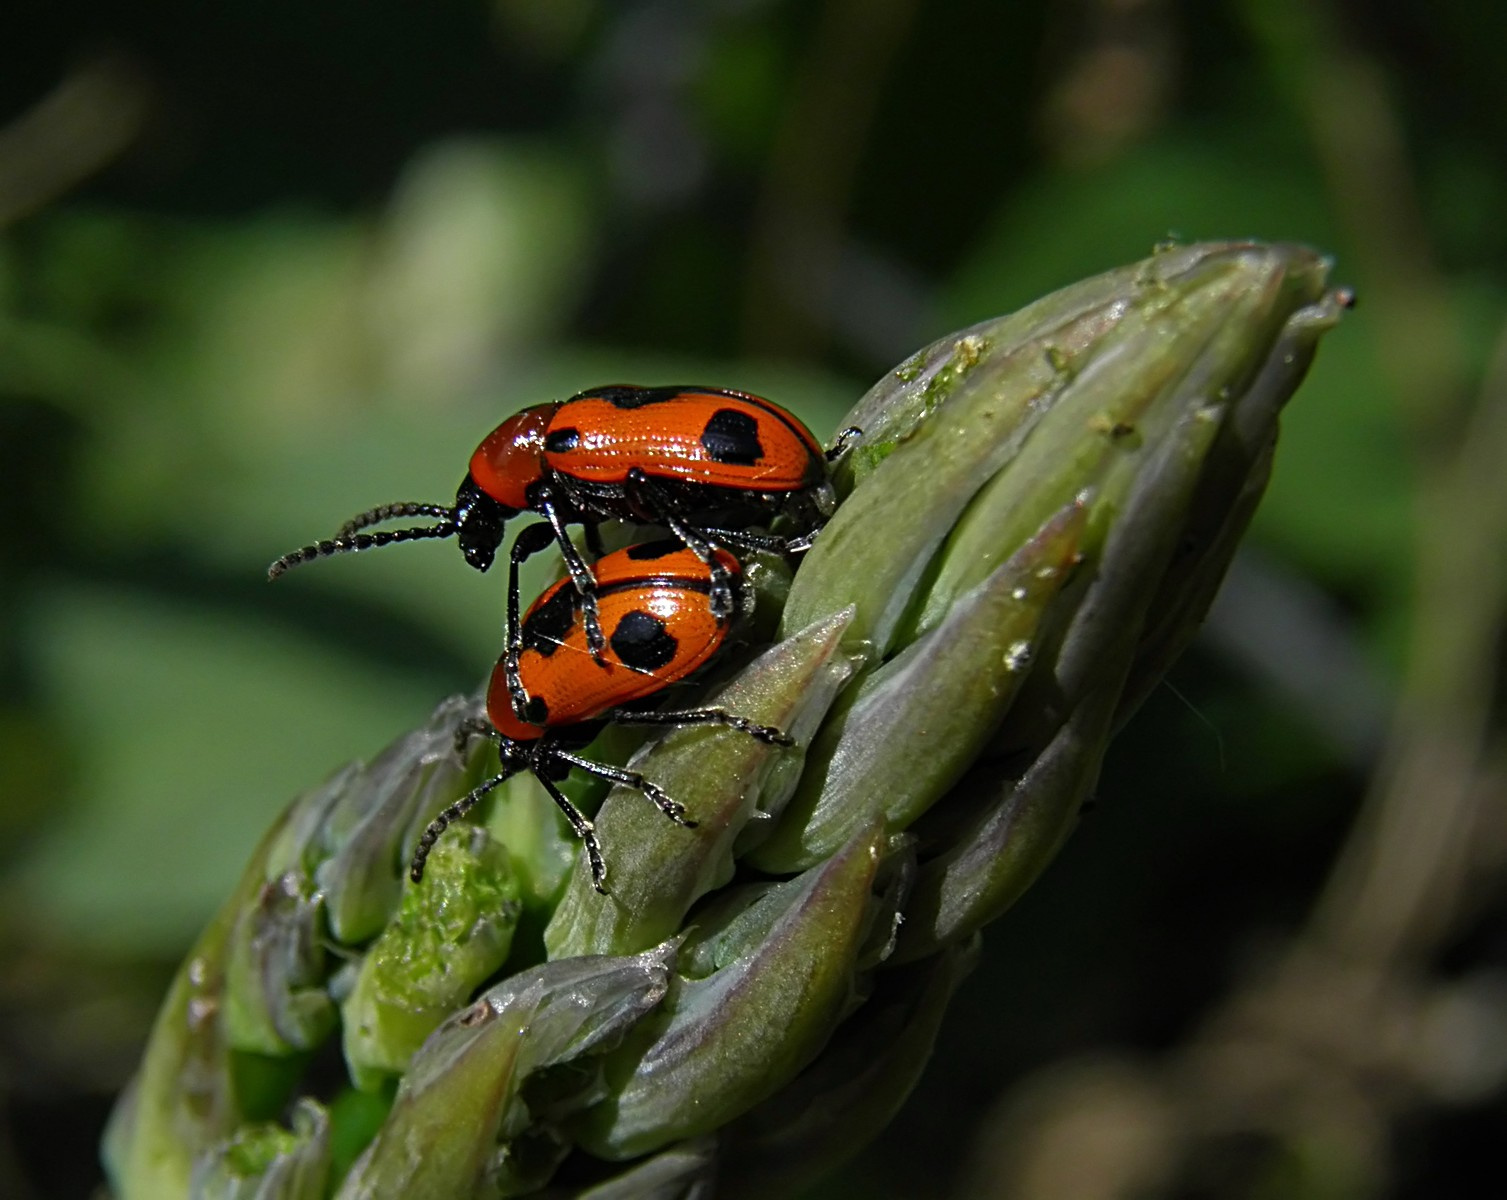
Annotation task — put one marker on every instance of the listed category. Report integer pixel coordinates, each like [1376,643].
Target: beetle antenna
[360,541]
[391,512]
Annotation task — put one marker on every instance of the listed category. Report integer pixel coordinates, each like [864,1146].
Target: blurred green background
[262,266]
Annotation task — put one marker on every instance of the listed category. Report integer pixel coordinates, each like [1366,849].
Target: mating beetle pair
[705,463]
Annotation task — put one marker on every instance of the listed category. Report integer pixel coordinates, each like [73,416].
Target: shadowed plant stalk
[1036,518]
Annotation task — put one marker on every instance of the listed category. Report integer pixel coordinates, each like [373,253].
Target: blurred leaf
[739,92]
[191,732]
[1251,180]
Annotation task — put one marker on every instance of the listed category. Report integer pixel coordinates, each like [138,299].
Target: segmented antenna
[350,543]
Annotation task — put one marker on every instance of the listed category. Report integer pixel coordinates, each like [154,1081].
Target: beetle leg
[707,716]
[584,829]
[843,442]
[581,576]
[673,809]
[812,509]
[529,542]
[642,493]
[747,540]
[592,531]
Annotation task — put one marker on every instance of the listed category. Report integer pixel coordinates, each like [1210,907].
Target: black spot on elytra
[649,551]
[562,441]
[642,643]
[732,437]
[536,711]
[624,396]
[545,629]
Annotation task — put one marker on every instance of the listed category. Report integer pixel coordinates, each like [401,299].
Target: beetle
[706,463]
[654,602]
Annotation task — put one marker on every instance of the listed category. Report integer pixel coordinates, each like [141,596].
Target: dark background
[264,265]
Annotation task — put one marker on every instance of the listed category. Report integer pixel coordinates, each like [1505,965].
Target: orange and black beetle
[706,463]
[654,601]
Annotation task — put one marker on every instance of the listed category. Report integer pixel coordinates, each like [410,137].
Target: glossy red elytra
[654,603]
[708,464]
